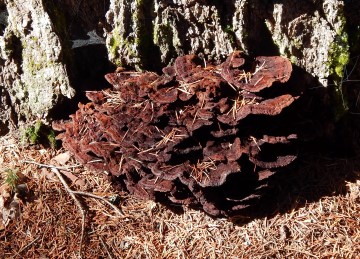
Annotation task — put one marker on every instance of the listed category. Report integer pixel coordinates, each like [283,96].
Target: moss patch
[339,56]
[229,30]
[39,133]
[115,43]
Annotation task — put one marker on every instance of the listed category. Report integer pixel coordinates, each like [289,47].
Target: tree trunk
[50,48]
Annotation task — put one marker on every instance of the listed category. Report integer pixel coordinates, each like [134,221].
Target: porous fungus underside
[195,135]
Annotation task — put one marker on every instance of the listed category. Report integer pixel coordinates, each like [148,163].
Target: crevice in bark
[3,18]
[226,11]
[150,54]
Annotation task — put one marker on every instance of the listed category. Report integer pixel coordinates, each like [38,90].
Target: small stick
[124,136]
[99,198]
[50,166]
[73,194]
[28,245]
[77,202]
[255,141]
[146,150]
[121,162]
[105,247]
[261,78]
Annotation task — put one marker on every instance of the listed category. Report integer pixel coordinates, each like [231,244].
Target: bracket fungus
[194,135]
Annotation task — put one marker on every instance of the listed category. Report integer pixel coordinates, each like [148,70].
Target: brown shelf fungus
[194,135]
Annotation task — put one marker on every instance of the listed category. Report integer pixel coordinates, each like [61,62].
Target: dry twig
[78,204]
[73,194]
[105,247]
[28,245]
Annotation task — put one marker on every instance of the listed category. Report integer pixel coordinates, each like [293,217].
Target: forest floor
[317,217]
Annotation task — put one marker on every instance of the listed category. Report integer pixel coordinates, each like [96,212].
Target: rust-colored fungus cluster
[198,134]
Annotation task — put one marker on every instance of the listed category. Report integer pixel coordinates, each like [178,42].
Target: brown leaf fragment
[210,208]
[167,172]
[276,68]
[9,210]
[268,71]
[138,190]
[62,158]
[204,114]
[185,96]
[74,179]
[233,61]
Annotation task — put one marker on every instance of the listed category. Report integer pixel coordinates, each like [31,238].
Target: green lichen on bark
[130,42]
[231,33]
[339,56]
[33,47]
[32,61]
[164,36]
[115,43]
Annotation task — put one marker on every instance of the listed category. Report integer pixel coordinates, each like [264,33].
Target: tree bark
[49,48]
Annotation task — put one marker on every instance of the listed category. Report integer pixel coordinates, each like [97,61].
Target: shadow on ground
[315,175]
